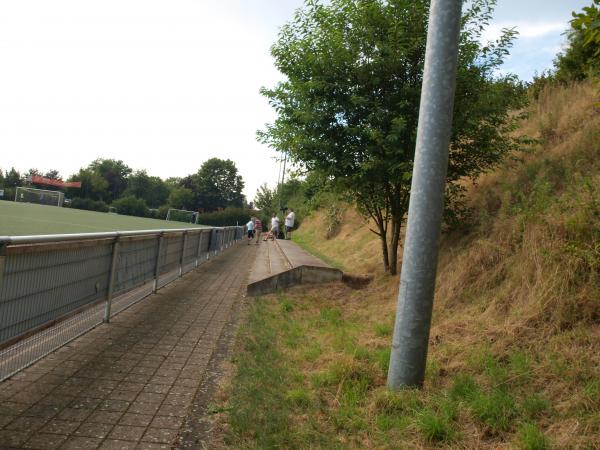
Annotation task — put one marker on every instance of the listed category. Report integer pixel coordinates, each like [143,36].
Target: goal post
[40,196]
[182,215]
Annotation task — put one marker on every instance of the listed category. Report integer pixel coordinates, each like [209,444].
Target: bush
[9,193]
[89,204]
[131,206]
[228,217]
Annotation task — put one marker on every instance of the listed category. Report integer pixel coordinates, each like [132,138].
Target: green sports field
[20,219]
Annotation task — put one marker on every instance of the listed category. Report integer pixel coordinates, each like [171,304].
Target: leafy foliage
[131,206]
[349,107]
[218,185]
[227,217]
[115,172]
[151,189]
[581,59]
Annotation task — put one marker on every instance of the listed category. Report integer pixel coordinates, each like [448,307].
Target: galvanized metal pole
[200,234]
[181,257]
[157,262]
[419,263]
[111,280]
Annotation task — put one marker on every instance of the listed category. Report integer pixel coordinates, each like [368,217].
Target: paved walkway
[129,384]
[285,264]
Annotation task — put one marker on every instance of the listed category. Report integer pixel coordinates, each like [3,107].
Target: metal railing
[54,288]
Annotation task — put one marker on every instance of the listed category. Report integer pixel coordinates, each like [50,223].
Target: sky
[166,85]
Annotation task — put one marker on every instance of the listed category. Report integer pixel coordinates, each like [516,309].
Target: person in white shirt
[275,226]
[289,224]
[250,228]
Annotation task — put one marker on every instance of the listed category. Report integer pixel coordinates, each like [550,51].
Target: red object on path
[57,183]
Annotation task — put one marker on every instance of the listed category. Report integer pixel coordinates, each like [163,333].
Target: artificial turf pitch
[22,219]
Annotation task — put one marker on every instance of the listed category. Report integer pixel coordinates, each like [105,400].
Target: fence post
[2,261]
[157,262]
[111,279]
[208,244]
[419,263]
[198,249]
[183,242]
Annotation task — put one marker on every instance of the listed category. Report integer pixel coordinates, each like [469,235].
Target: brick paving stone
[42,411]
[75,414]
[157,388]
[85,403]
[171,411]
[109,417]
[128,396]
[26,424]
[56,426]
[44,441]
[81,443]
[56,400]
[94,430]
[143,408]
[114,405]
[170,423]
[138,420]
[112,444]
[128,384]
[127,433]
[6,419]
[152,446]
[12,438]
[160,435]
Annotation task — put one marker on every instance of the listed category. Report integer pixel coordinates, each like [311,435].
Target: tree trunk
[393,260]
[384,249]
[381,226]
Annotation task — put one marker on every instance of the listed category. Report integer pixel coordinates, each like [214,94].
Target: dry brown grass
[523,282]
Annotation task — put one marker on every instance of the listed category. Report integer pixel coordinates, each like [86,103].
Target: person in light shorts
[275,226]
[289,224]
[250,228]
[257,229]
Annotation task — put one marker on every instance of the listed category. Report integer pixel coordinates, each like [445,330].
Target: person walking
[250,228]
[257,229]
[289,224]
[275,226]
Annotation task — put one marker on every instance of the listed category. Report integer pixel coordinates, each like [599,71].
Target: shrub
[131,206]
[9,193]
[228,217]
[89,204]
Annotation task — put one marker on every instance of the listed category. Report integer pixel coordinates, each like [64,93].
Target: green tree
[182,198]
[53,174]
[264,199]
[581,58]
[151,189]
[131,206]
[13,178]
[93,185]
[218,185]
[349,106]
[32,172]
[115,172]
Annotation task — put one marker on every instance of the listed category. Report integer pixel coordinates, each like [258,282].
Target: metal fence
[54,288]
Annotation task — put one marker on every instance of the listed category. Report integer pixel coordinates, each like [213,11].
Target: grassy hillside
[514,360]
[18,219]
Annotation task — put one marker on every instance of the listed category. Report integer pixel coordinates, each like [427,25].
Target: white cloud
[527,30]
